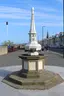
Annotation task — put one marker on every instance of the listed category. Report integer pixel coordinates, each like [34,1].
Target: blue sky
[48,13]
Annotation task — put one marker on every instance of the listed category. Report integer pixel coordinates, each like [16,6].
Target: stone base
[45,80]
[33,53]
[28,74]
[32,63]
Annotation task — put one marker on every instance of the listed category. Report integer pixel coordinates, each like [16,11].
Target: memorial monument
[32,74]
[33,44]
[32,60]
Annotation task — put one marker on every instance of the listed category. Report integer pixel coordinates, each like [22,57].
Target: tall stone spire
[32,32]
[33,44]
[32,27]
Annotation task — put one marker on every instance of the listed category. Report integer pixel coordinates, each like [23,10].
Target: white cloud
[47,9]
[60,24]
[14,13]
[4,9]
[19,24]
[49,24]
[48,16]
[13,16]
[18,13]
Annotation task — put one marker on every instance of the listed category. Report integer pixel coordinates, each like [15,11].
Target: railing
[57,49]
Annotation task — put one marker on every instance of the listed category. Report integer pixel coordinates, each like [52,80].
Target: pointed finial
[32,8]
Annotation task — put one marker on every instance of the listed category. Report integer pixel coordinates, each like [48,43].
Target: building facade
[54,41]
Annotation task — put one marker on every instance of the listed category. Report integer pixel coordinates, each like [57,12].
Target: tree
[7,43]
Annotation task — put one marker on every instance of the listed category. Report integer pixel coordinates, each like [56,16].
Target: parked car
[11,49]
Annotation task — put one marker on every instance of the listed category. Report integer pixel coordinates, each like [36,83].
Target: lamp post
[47,37]
[7,28]
[62,40]
[42,34]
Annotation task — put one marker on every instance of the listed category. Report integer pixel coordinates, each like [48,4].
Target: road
[10,59]
[13,59]
[54,59]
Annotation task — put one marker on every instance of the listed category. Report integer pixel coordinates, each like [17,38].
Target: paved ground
[6,90]
[13,59]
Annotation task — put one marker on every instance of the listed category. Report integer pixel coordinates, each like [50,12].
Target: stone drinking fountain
[32,74]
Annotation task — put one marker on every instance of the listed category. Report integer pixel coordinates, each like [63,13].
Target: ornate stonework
[32,35]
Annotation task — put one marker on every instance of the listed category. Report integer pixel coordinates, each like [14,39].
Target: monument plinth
[32,63]
[32,75]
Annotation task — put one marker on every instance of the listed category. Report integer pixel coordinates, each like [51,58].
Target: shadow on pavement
[3,72]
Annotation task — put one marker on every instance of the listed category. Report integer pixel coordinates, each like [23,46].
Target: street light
[42,34]
[7,28]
